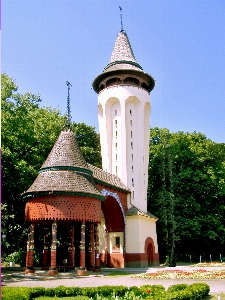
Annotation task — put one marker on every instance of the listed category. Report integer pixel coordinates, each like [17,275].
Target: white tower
[124,119]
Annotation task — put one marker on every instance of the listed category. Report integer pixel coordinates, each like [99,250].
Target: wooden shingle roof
[65,171]
[108,179]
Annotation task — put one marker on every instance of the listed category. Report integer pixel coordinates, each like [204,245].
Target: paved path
[70,279]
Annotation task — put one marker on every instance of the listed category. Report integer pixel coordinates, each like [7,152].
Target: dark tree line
[187,193]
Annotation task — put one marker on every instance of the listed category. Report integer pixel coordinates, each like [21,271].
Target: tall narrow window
[133,194]
[115,112]
[132,157]
[132,181]
[116,169]
[116,145]
[116,123]
[130,112]
[131,145]
[116,133]
[132,168]
[116,157]
[131,134]
[130,122]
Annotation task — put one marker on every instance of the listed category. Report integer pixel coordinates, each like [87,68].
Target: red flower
[148,291]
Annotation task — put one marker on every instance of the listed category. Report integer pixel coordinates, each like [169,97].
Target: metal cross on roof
[121,19]
[68,105]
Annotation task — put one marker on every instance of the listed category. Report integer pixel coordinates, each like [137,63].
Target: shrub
[18,257]
[15,293]
[177,287]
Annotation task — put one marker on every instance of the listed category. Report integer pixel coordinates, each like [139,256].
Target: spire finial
[121,19]
[68,105]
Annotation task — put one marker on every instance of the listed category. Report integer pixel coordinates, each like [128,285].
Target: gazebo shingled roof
[65,171]
[108,179]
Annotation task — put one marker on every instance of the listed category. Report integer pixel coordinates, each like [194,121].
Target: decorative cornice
[62,193]
[123,62]
[66,168]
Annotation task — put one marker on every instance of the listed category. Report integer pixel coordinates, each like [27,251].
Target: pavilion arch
[115,219]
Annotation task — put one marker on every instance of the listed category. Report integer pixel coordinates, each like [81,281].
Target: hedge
[196,291]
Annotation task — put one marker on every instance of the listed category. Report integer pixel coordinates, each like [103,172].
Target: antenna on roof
[121,19]
[68,105]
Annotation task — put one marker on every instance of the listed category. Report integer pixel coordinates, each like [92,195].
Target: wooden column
[30,251]
[53,270]
[82,270]
[91,248]
[106,247]
[97,254]
[45,250]
[71,248]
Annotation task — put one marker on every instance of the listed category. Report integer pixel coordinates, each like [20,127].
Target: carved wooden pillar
[97,254]
[45,250]
[71,248]
[106,247]
[82,270]
[91,248]
[53,270]
[30,251]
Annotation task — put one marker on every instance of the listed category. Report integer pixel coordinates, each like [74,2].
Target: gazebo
[64,197]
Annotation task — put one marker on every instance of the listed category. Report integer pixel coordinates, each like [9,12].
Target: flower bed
[209,264]
[181,274]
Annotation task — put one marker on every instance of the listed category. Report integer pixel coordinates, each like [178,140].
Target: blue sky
[181,43]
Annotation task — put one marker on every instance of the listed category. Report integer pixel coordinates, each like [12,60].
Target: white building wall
[124,125]
[141,227]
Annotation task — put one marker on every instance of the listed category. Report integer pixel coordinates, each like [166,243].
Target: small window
[132,168]
[115,112]
[130,112]
[116,134]
[131,134]
[133,194]
[116,246]
[116,157]
[130,122]
[132,181]
[116,145]
[116,169]
[131,144]
[132,157]
[116,123]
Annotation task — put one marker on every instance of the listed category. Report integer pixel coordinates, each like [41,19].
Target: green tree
[28,135]
[187,192]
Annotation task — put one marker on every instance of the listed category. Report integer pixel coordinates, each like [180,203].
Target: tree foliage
[28,135]
[187,193]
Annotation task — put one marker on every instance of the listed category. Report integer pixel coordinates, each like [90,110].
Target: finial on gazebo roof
[68,105]
[121,19]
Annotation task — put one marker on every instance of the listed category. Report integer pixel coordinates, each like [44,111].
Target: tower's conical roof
[65,171]
[122,56]
[123,61]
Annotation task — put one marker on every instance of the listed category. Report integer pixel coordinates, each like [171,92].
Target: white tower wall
[124,126]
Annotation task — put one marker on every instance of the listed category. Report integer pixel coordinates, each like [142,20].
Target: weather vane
[121,19]
[68,104]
